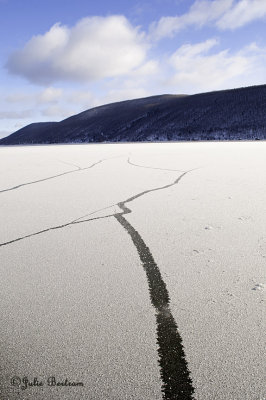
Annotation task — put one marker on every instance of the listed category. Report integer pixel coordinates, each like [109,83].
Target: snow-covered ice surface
[101,275]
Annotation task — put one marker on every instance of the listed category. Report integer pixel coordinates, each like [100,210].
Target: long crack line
[72,165]
[78,169]
[147,167]
[80,220]
[175,375]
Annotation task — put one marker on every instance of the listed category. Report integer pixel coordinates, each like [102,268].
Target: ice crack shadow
[174,371]
[175,375]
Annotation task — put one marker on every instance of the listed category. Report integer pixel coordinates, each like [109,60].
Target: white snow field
[133,271]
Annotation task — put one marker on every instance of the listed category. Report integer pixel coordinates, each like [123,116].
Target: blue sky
[60,57]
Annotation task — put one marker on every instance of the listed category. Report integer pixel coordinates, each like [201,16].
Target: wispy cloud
[195,69]
[199,14]
[242,13]
[49,95]
[224,14]
[46,96]
[16,114]
[57,112]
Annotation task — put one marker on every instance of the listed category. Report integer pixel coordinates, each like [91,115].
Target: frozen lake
[133,271]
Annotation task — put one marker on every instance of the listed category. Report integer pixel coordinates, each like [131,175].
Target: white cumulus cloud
[95,48]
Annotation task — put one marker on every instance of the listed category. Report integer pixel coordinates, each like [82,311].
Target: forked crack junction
[175,375]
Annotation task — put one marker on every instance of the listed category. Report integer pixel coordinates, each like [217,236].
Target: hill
[222,115]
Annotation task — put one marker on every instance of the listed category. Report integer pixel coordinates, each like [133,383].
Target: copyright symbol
[15,381]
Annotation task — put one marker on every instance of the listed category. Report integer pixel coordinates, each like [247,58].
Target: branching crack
[175,375]
[78,169]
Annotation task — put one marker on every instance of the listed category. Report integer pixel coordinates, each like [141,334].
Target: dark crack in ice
[174,371]
[144,166]
[78,169]
[175,375]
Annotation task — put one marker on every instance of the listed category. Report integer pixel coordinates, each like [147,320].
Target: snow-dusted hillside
[224,115]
